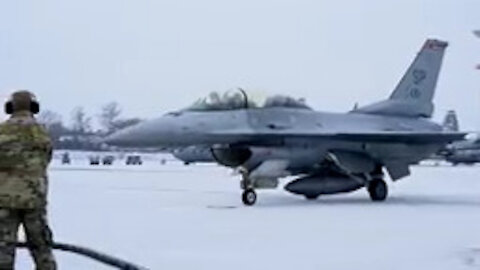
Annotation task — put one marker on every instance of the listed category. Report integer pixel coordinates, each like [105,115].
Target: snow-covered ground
[191,217]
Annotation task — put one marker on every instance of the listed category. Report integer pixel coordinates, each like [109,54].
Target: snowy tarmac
[191,217]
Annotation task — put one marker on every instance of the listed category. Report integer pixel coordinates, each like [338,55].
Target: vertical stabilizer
[414,93]
[451,122]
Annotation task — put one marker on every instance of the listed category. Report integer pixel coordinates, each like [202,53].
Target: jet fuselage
[192,128]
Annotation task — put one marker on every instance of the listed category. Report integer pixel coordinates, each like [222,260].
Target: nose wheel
[249,197]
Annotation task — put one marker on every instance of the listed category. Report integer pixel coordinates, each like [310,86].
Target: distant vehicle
[134,160]
[94,160]
[66,158]
[330,152]
[108,160]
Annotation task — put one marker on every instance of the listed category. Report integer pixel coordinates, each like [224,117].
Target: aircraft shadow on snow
[394,201]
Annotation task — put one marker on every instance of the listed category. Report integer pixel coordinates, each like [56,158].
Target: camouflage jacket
[25,152]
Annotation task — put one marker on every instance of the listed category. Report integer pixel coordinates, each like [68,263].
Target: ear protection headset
[34,107]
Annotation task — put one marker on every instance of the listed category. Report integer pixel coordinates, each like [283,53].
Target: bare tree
[53,123]
[48,118]
[81,123]
[109,116]
[124,123]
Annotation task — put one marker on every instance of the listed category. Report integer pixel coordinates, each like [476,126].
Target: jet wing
[268,138]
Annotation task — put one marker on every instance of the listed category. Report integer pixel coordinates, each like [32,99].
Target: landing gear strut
[249,196]
[378,190]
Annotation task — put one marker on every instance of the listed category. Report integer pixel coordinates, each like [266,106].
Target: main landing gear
[378,190]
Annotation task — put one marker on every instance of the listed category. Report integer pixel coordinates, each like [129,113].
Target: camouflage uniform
[25,151]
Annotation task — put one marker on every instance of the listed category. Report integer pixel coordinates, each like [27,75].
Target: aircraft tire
[378,190]
[249,197]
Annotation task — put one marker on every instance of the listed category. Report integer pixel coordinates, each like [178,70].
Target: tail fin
[414,93]
[451,122]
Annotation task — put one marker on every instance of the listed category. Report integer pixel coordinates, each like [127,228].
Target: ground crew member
[25,152]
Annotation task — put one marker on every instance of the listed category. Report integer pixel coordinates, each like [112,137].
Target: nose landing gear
[249,197]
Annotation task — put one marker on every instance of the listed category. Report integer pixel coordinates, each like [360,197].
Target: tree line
[79,132]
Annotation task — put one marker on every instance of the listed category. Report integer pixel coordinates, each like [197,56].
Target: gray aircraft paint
[414,94]
[393,133]
[193,154]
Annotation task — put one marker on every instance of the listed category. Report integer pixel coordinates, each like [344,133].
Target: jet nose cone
[166,131]
[160,132]
[122,138]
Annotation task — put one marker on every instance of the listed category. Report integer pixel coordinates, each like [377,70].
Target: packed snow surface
[172,216]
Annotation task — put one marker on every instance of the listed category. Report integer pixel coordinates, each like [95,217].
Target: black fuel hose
[92,254]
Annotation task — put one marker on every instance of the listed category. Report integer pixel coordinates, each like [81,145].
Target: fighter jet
[450,123]
[465,152]
[328,152]
[460,152]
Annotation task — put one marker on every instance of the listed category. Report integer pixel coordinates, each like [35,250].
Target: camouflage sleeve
[49,146]
[4,135]
[44,142]
[7,157]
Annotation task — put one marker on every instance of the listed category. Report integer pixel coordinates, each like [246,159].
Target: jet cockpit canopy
[230,100]
[239,99]
[285,102]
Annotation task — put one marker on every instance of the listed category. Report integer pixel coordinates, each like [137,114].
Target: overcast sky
[157,56]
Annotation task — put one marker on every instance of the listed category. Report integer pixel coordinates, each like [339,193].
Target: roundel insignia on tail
[419,75]
[415,93]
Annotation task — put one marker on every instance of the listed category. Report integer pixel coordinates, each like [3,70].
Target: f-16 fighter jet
[460,152]
[329,152]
